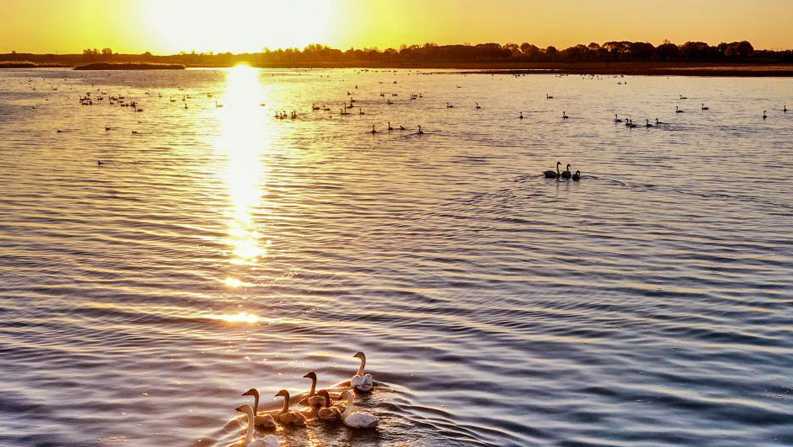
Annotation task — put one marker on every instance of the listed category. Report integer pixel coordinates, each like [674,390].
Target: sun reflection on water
[238,318]
[245,135]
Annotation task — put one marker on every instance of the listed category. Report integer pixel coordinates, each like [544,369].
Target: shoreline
[606,69]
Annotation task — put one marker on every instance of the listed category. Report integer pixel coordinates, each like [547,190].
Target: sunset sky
[168,26]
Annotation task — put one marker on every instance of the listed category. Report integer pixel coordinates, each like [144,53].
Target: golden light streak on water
[245,135]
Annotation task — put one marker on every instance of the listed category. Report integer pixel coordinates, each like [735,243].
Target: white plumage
[362,381]
[267,441]
[357,419]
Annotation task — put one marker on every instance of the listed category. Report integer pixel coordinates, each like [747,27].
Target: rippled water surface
[218,248]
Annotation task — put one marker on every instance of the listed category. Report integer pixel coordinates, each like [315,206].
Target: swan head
[311,375]
[361,356]
[244,409]
[558,163]
[283,393]
[252,392]
[568,167]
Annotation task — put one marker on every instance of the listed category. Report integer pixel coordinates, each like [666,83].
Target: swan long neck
[285,408]
[361,368]
[251,422]
[313,390]
[348,410]
[255,405]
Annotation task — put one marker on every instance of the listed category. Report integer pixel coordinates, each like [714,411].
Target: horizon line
[379,49]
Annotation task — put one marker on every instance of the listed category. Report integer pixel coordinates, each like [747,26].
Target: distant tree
[642,51]
[107,52]
[694,51]
[745,49]
[513,48]
[667,51]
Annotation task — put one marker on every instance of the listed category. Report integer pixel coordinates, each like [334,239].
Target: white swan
[356,419]
[261,421]
[362,381]
[267,441]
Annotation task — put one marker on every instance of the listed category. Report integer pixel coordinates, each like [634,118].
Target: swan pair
[567,175]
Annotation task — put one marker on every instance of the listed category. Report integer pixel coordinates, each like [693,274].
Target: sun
[237,26]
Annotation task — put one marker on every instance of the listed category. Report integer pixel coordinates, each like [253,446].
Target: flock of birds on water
[347,106]
[317,407]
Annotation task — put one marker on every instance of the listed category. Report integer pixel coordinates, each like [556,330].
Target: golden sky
[169,26]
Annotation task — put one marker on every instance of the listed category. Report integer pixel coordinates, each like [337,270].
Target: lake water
[219,248]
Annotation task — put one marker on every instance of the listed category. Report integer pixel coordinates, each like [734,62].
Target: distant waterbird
[567,174]
[553,174]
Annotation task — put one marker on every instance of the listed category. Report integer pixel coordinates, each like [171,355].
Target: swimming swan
[261,421]
[553,174]
[267,441]
[286,417]
[328,413]
[312,399]
[567,174]
[577,176]
[356,419]
[362,381]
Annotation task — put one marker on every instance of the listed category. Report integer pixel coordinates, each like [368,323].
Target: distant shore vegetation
[129,66]
[430,55]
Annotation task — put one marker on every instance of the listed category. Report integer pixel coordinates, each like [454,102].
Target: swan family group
[321,406]
[566,175]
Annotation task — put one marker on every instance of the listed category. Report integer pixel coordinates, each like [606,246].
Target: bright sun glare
[237,25]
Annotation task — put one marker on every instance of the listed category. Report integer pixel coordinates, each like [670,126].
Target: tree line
[431,54]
